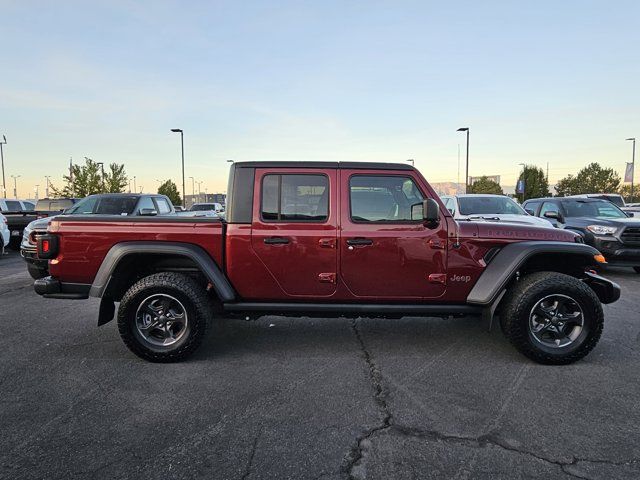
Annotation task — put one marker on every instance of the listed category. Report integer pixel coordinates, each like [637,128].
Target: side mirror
[551,214]
[148,212]
[631,214]
[430,213]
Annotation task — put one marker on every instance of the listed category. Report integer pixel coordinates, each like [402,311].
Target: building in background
[205,198]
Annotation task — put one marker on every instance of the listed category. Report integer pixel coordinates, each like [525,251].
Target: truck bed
[85,240]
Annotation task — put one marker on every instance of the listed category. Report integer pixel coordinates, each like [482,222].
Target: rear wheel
[164,317]
[552,318]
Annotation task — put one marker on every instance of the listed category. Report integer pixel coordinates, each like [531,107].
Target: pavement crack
[353,459]
[252,453]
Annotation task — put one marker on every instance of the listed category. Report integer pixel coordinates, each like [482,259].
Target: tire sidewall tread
[183,287]
[515,315]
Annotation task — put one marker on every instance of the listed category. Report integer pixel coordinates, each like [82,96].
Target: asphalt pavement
[310,398]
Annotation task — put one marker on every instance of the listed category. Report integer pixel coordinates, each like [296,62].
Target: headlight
[601,229]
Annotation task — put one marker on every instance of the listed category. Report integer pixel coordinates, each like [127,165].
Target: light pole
[102,170]
[135,190]
[413,164]
[46,192]
[177,130]
[199,188]
[633,165]
[466,177]
[37,185]
[15,185]
[4,185]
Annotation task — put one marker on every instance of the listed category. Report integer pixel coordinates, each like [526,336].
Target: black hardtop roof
[340,165]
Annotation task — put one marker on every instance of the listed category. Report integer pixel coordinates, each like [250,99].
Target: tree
[485,185]
[170,189]
[591,179]
[625,191]
[115,180]
[87,180]
[566,186]
[535,182]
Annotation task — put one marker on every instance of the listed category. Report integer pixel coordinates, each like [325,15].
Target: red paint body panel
[84,244]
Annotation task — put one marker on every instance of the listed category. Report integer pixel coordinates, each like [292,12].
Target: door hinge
[327,277]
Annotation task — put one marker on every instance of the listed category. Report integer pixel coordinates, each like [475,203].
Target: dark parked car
[600,222]
[102,204]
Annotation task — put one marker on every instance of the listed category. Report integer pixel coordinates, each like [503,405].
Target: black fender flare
[510,259]
[198,255]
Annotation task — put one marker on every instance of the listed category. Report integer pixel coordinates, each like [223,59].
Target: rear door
[294,229]
[384,252]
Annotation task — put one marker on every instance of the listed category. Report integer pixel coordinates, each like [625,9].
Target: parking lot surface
[310,398]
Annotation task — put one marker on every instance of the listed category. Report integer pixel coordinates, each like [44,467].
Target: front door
[385,253]
[294,229]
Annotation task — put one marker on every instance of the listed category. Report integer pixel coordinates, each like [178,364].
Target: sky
[536,82]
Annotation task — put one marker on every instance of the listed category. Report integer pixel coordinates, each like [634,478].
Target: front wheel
[552,318]
[164,317]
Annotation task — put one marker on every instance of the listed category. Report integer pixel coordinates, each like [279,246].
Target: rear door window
[13,206]
[295,198]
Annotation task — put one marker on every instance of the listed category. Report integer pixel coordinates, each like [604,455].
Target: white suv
[490,208]
[5,234]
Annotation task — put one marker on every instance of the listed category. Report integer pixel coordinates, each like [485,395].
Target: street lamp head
[463,129]
[229,161]
[176,130]
[632,138]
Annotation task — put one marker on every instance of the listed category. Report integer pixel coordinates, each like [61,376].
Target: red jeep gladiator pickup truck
[328,240]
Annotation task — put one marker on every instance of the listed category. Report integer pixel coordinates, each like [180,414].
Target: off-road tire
[191,294]
[637,269]
[531,289]
[36,272]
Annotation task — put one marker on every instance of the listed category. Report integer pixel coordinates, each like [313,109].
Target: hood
[513,231]
[510,218]
[40,223]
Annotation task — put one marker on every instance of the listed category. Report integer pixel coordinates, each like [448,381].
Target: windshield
[594,208]
[489,206]
[120,205]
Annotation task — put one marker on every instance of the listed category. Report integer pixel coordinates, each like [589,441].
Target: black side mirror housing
[431,213]
[148,212]
[550,214]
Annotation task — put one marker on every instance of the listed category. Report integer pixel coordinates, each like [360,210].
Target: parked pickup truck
[328,240]
[98,204]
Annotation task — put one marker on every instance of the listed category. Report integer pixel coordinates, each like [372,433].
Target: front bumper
[50,287]
[606,290]
[617,253]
